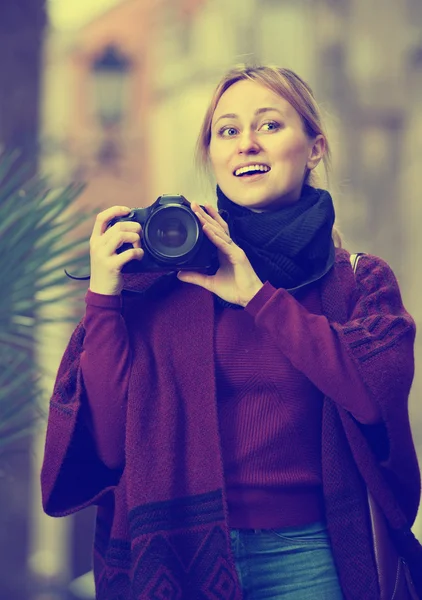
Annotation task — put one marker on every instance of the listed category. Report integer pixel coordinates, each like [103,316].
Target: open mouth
[251,170]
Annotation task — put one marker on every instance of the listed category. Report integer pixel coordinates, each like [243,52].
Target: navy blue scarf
[290,246]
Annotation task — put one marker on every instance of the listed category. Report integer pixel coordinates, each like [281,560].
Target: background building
[124,96]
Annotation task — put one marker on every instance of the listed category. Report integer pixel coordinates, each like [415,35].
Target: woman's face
[252,126]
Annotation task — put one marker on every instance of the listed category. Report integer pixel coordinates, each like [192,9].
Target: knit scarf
[288,247]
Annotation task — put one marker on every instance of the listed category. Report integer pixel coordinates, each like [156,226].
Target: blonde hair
[289,86]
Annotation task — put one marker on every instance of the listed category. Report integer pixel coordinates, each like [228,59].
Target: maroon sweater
[155,470]
[270,412]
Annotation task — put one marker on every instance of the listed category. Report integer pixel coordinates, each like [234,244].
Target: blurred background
[112,92]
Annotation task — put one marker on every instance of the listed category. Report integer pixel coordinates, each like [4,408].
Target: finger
[202,214]
[224,244]
[217,217]
[207,219]
[123,226]
[119,238]
[195,278]
[104,217]
[128,255]
[217,232]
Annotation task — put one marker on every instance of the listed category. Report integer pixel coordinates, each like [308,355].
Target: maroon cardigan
[162,519]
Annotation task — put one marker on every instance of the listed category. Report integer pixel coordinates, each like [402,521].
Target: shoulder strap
[354,259]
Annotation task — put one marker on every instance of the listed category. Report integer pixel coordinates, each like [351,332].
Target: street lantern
[111,72]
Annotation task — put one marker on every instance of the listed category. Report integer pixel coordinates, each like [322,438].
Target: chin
[248,198]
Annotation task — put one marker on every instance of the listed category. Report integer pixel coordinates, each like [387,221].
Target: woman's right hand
[106,264]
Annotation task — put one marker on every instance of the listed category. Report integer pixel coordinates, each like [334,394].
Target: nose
[248,143]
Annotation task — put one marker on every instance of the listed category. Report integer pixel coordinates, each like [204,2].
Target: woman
[221,424]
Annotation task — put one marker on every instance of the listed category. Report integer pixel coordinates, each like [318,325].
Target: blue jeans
[294,563]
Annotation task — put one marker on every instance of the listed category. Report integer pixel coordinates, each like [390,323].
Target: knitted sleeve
[380,336]
[105,366]
[356,363]
[84,446]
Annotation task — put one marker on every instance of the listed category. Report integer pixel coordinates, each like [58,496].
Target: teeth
[249,168]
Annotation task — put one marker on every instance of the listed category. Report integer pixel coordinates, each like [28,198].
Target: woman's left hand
[235,281]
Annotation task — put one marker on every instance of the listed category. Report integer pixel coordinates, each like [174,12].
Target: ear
[316,151]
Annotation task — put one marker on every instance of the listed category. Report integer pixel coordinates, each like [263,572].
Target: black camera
[172,238]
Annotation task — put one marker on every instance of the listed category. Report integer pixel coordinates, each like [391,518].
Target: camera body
[172,238]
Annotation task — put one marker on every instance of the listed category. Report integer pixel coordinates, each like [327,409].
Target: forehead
[245,97]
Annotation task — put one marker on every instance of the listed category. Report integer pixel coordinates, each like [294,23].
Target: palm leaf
[36,244]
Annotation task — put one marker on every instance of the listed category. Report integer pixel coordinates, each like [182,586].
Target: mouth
[250,171]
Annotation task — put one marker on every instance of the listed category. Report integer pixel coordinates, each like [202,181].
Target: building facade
[173,52]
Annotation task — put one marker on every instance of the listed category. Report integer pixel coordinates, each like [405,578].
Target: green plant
[37,242]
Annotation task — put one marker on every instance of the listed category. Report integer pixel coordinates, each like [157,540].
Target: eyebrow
[259,111]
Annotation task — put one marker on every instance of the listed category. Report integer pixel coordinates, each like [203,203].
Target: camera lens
[172,233]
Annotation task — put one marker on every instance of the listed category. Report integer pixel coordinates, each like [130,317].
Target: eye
[271,126]
[227,131]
